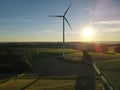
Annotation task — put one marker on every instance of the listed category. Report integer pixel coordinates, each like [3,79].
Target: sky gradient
[27,20]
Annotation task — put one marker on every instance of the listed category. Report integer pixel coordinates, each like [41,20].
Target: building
[113,49]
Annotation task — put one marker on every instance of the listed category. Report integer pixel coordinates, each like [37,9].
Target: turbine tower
[64,19]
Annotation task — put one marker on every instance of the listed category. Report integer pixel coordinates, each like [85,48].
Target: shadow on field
[86,80]
[54,67]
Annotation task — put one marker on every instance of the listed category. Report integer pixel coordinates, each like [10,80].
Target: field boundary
[11,78]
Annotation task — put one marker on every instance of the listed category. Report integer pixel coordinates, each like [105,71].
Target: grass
[57,82]
[111,70]
[97,57]
[4,80]
[15,84]
[113,78]
[53,85]
[109,65]
[60,77]
[74,56]
[7,77]
[49,83]
[46,53]
[61,83]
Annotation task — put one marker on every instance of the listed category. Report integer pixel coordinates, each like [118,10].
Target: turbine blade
[68,23]
[67,9]
[55,16]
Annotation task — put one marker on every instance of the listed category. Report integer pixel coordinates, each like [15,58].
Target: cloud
[112,30]
[109,26]
[112,22]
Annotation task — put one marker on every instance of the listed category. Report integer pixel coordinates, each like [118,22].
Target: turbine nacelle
[63,16]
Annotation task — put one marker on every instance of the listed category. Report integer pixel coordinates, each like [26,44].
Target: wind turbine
[64,19]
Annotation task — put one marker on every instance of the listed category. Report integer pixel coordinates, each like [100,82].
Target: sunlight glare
[88,33]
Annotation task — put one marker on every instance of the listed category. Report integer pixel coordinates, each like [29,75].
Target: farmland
[111,70]
[51,72]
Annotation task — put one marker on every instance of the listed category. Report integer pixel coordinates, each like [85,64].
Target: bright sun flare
[88,33]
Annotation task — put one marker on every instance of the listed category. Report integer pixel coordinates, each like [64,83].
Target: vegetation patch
[14,63]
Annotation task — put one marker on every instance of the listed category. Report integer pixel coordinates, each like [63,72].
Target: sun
[88,33]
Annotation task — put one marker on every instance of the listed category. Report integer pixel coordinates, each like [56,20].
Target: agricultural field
[111,70]
[50,71]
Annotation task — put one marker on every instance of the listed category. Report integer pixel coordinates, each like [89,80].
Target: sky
[28,21]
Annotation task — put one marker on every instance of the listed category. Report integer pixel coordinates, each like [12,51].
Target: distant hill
[68,45]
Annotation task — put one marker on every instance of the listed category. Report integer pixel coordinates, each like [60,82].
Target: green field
[58,74]
[111,70]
